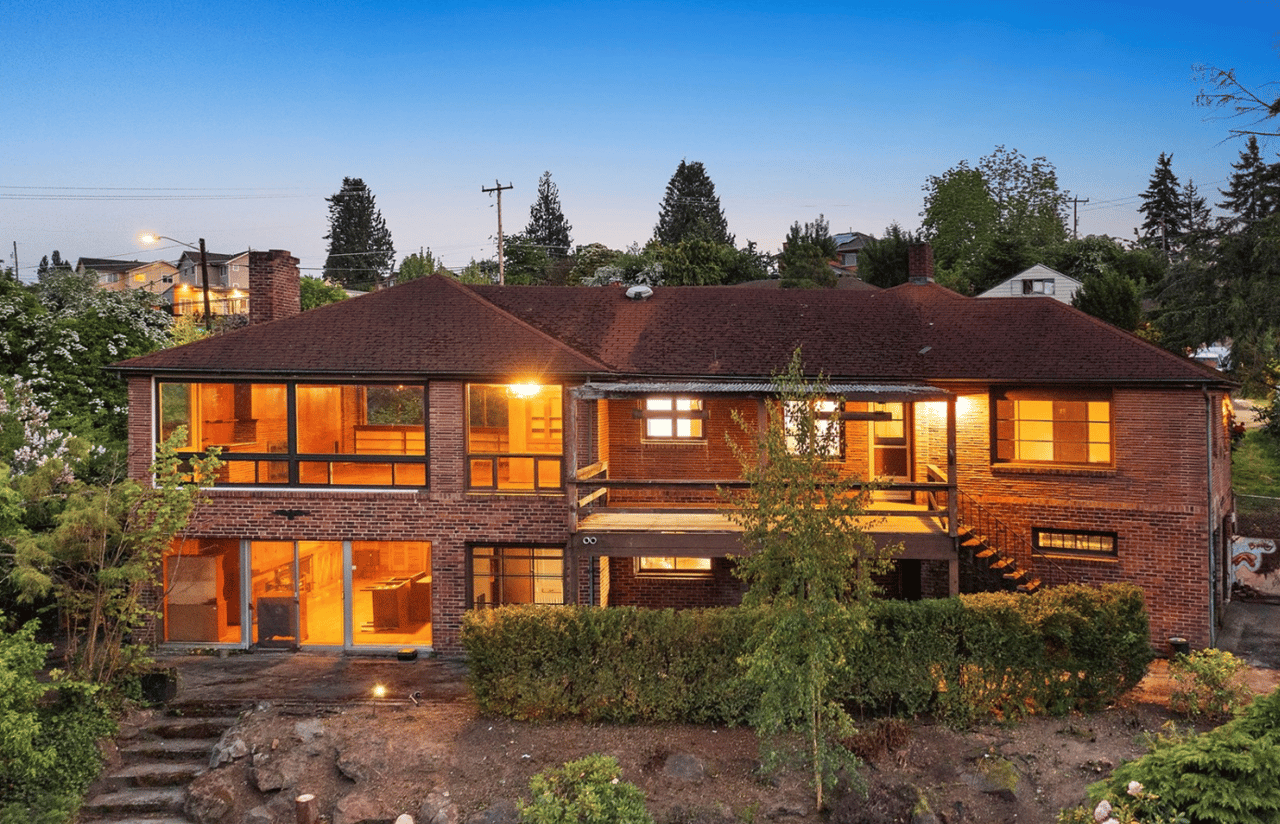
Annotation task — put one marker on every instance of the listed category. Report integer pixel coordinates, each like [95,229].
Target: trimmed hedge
[960,659]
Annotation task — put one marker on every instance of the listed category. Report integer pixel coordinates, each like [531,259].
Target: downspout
[1211,520]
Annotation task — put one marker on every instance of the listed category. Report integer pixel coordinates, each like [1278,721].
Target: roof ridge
[475,296]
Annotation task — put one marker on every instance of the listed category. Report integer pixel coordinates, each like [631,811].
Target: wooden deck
[699,533]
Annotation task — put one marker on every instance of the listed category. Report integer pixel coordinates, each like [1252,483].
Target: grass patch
[1255,470]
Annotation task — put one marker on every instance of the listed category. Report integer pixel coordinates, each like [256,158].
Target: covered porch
[622,507]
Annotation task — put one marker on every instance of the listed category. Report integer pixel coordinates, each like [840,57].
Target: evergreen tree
[1254,190]
[691,208]
[1162,207]
[806,253]
[1110,296]
[886,262]
[360,250]
[547,226]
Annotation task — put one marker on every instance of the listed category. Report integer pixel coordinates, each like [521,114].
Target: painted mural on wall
[1255,566]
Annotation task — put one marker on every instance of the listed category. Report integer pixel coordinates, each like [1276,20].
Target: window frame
[675,570]
[265,465]
[824,420]
[1080,550]
[696,414]
[1007,431]
[544,463]
[500,550]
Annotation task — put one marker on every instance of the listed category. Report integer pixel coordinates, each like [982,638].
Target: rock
[211,797]
[229,747]
[684,766]
[789,809]
[404,818]
[266,773]
[924,818]
[259,815]
[359,808]
[503,811]
[438,809]
[309,730]
[361,763]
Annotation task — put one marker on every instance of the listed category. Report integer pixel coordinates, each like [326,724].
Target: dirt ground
[438,759]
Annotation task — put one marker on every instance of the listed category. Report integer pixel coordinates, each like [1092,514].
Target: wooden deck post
[953,566]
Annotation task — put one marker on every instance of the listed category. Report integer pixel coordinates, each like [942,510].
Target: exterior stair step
[175,727]
[138,819]
[137,802]
[986,553]
[972,541]
[1016,575]
[1003,563]
[1029,586]
[154,774]
[170,749]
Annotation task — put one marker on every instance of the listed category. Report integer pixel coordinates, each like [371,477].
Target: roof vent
[640,292]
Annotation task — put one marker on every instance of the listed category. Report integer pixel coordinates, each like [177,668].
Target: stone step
[169,749]
[171,727]
[138,819]
[136,802]
[154,774]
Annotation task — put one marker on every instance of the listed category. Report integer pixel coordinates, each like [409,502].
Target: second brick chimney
[274,286]
[920,263]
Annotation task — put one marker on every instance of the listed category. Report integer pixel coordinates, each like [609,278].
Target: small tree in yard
[810,567]
[94,549]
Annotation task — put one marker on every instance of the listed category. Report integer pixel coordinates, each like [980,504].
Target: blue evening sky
[234,120]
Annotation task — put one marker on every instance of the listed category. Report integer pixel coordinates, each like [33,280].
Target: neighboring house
[395,460]
[848,246]
[121,275]
[228,284]
[1039,280]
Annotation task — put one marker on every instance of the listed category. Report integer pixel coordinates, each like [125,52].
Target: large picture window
[1064,427]
[293,434]
[516,575]
[515,437]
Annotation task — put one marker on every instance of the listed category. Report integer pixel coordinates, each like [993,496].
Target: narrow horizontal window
[1068,542]
[672,565]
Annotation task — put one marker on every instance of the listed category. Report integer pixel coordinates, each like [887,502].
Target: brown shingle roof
[911,332]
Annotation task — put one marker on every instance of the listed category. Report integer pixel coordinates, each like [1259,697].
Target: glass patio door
[891,449]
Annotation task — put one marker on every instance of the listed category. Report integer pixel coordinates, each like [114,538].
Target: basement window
[672,565]
[1077,543]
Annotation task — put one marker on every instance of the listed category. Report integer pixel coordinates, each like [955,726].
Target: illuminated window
[672,418]
[1067,427]
[378,430]
[1067,542]
[515,437]
[516,575]
[825,437]
[672,565]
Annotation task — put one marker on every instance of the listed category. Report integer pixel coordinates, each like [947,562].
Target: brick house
[399,458]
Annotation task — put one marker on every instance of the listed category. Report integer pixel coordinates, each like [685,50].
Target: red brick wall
[141,434]
[1154,498]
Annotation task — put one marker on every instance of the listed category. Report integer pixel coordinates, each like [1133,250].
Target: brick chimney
[920,263]
[274,288]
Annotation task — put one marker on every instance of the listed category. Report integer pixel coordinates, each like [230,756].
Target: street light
[204,271]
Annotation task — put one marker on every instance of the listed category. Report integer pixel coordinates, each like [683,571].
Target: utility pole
[15,262]
[204,280]
[1075,216]
[502,268]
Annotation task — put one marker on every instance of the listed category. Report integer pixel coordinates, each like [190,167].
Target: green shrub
[1208,682]
[48,748]
[960,659]
[586,791]
[1224,776]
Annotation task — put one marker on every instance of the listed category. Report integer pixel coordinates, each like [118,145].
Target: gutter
[1211,520]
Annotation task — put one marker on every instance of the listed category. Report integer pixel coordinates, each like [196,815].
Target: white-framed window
[668,417]
[1037,286]
[827,434]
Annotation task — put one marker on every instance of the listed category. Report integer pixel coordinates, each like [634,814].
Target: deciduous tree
[360,250]
[1252,105]
[810,566]
[315,292]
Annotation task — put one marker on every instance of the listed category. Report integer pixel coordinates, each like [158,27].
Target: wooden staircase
[994,544]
